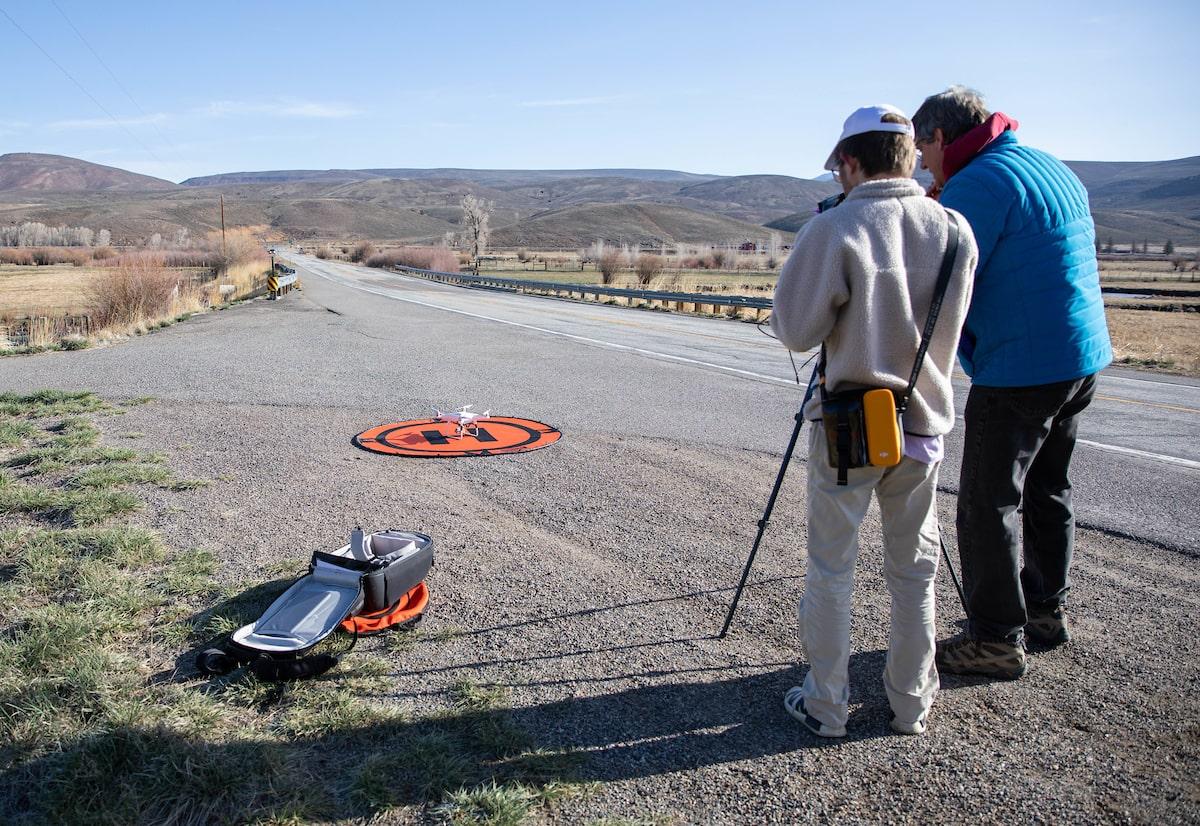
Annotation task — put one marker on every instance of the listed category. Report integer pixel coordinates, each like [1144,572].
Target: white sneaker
[901,727]
[793,701]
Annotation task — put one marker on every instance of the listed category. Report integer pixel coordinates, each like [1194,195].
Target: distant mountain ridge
[487,177]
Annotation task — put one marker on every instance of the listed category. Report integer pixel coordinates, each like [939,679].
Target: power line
[71,78]
[113,75]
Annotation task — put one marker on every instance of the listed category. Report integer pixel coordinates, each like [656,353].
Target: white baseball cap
[869,119]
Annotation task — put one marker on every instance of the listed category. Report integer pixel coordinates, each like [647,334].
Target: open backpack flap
[373,584]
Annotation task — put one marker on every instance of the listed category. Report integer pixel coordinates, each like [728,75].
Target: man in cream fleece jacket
[861,279]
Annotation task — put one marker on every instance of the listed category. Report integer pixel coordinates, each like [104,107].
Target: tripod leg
[762,523]
[962,597]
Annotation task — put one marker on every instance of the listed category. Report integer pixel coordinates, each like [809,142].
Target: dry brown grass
[1147,270]
[1164,341]
[125,298]
[56,290]
[440,259]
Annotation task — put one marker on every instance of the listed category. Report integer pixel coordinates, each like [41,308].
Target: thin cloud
[106,123]
[287,109]
[592,101]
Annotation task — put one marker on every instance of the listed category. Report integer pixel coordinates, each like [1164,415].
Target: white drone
[464,420]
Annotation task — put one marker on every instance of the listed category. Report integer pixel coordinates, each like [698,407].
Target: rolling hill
[649,224]
[34,172]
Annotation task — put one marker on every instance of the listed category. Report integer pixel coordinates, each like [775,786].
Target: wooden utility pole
[222,227]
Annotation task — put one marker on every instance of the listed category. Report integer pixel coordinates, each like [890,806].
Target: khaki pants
[906,496]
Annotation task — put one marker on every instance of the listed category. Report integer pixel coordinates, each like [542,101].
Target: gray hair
[955,111]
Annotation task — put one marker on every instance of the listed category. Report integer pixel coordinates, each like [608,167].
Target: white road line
[1143,454]
[1183,385]
[1172,460]
[572,336]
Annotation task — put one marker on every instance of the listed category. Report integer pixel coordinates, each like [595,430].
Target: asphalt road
[590,577]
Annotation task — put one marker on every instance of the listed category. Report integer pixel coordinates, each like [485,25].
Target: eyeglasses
[837,173]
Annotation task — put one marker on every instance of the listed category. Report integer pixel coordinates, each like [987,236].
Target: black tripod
[766,518]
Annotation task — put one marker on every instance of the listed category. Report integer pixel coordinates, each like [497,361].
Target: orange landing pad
[427,438]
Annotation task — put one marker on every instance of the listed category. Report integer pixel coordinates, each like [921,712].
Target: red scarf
[959,153]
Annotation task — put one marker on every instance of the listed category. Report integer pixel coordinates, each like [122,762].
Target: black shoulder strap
[939,292]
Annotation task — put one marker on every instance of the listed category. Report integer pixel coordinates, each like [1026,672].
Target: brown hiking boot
[964,655]
[1047,628]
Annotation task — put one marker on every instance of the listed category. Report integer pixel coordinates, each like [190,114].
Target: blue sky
[727,88]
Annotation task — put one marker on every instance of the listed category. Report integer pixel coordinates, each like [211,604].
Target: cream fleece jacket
[860,278]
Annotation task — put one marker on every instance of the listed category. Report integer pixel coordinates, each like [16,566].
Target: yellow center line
[1149,404]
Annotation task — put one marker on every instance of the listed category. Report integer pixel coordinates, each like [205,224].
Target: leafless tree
[608,264]
[476,214]
[362,251]
[774,247]
[648,268]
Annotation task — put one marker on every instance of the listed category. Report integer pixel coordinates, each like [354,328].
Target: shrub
[324,252]
[130,258]
[43,256]
[648,266]
[129,295]
[191,258]
[421,258]
[362,251]
[608,265]
[21,257]
[523,255]
[103,253]
[240,248]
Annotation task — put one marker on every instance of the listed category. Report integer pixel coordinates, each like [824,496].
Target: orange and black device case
[884,440]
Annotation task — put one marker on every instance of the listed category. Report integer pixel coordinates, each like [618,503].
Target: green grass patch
[13,433]
[136,401]
[66,507]
[28,349]
[74,343]
[57,456]
[191,574]
[499,804]
[135,775]
[76,431]
[325,708]
[123,546]
[43,403]
[116,475]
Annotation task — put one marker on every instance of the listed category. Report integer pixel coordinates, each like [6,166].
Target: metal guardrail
[281,280]
[713,300]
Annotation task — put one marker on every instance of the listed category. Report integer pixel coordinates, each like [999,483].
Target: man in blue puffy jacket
[1034,339]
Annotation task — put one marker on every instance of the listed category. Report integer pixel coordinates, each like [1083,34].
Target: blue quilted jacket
[1036,316]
